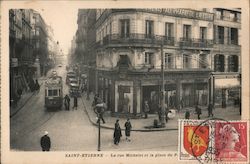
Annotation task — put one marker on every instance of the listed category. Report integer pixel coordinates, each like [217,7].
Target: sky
[63,21]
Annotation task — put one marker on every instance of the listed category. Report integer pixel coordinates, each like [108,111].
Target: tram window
[50,93]
[54,92]
[59,92]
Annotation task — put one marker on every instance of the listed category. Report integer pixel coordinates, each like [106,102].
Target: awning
[227,83]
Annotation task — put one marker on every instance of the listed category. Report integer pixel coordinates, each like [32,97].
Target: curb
[13,114]
[135,130]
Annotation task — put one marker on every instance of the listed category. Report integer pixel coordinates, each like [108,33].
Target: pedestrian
[66,102]
[117,133]
[96,97]
[99,110]
[45,142]
[37,86]
[128,128]
[187,114]
[210,110]
[75,103]
[146,109]
[159,112]
[198,111]
[166,112]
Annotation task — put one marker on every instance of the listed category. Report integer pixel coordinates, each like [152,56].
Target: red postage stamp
[213,141]
[231,141]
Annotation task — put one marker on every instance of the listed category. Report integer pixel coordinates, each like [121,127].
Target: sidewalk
[146,125]
[26,96]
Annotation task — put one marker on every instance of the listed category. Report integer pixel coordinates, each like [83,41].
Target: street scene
[124,81]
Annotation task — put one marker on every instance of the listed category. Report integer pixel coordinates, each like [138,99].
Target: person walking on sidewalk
[99,110]
[146,109]
[117,133]
[45,142]
[75,103]
[128,128]
[37,87]
[198,111]
[210,110]
[187,114]
[66,102]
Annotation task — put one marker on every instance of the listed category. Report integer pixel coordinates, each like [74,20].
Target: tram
[54,91]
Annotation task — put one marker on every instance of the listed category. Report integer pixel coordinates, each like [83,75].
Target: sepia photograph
[124,82]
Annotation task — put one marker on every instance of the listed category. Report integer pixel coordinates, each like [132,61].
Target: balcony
[226,18]
[135,38]
[195,43]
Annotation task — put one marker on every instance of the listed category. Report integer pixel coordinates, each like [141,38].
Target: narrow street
[72,130]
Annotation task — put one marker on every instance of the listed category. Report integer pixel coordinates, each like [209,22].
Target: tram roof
[54,80]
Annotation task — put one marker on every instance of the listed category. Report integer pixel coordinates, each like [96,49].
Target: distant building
[40,41]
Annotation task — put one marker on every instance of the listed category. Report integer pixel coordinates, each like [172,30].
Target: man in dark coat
[75,103]
[117,133]
[66,102]
[128,128]
[146,109]
[45,142]
[187,114]
[198,111]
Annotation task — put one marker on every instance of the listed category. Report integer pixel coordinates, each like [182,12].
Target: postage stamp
[214,140]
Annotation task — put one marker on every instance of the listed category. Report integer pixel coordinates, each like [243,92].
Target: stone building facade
[20,49]
[131,45]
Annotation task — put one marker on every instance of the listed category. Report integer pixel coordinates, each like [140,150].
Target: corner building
[131,46]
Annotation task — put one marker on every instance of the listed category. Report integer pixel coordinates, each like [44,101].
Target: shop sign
[185,13]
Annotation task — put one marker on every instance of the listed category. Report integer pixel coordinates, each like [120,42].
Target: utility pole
[163,116]
[87,98]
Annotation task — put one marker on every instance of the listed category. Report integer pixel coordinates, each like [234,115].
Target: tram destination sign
[180,12]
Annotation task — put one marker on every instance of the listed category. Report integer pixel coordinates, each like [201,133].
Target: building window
[234,36]
[148,58]
[187,32]
[169,30]
[233,63]
[219,61]
[221,34]
[149,29]
[203,63]
[186,61]
[125,28]
[168,58]
[203,33]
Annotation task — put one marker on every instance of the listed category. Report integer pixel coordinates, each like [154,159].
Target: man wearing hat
[45,142]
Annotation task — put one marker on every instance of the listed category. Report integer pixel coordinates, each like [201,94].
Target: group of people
[67,102]
[34,86]
[118,132]
[198,111]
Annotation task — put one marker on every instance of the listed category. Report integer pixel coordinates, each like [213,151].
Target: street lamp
[98,111]
[163,116]
[87,98]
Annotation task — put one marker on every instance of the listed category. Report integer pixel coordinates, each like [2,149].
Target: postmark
[214,140]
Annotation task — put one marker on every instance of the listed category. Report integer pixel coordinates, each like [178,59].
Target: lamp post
[98,111]
[162,118]
[99,134]
[87,98]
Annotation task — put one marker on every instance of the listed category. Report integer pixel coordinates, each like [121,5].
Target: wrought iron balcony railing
[137,38]
[194,42]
